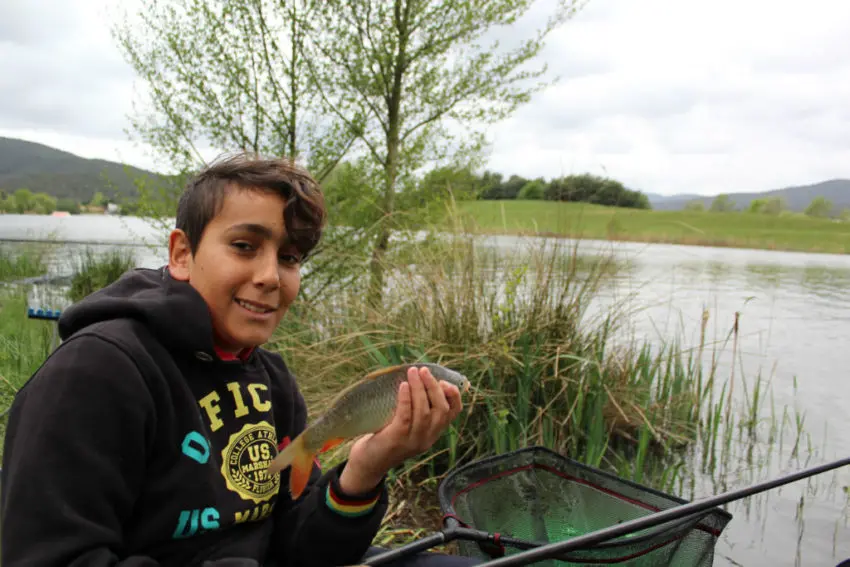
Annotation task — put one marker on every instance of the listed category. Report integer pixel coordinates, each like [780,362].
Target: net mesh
[541,497]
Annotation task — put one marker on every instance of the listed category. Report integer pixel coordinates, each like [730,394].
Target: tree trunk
[293,111]
[376,268]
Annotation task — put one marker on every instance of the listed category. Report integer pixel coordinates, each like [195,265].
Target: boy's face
[243,267]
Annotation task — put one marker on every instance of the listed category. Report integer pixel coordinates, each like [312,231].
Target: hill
[43,169]
[797,198]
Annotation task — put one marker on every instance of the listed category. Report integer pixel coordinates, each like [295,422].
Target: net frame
[687,542]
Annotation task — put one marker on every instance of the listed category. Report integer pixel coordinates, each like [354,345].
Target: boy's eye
[244,246]
[290,258]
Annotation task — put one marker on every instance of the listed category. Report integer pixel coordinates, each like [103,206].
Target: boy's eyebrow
[258,229]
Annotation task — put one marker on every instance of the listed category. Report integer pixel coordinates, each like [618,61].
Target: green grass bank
[792,232]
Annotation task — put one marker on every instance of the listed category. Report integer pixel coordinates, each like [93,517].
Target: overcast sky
[668,96]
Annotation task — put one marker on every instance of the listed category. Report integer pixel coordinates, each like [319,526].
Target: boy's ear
[179,255]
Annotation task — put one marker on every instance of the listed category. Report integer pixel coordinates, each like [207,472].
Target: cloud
[701,98]
[664,95]
[60,71]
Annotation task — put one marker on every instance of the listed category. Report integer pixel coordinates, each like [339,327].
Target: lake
[794,322]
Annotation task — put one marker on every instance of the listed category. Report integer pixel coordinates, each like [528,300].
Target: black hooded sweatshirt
[135,445]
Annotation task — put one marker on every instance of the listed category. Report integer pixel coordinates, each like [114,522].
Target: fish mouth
[255,306]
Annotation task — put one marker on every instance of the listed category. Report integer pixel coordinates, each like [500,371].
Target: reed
[93,271]
[548,366]
[23,261]
[25,343]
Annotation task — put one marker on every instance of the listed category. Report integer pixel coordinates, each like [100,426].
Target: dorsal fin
[383,371]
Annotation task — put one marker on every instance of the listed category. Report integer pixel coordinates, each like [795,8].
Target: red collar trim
[243,354]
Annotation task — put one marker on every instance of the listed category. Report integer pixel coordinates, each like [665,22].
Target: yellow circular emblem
[245,459]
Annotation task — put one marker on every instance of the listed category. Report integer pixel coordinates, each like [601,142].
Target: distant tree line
[465,184]
[820,207]
[23,201]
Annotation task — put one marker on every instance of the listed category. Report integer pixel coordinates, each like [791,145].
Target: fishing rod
[549,551]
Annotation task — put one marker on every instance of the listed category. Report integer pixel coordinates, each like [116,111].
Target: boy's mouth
[255,307]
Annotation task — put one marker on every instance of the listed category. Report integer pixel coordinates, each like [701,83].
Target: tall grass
[20,262]
[546,368]
[94,271]
[25,343]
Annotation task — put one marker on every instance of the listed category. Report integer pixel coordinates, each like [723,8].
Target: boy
[144,438]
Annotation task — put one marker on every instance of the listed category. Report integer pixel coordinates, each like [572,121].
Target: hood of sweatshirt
[173,310]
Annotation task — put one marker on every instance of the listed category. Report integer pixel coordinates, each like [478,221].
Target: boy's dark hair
[304,211]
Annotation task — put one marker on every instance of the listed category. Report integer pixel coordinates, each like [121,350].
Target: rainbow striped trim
[348,508]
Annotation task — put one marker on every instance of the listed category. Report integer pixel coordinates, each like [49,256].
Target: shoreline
[647,239]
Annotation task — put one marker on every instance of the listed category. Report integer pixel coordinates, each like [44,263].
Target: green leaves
[400,83]
[227,75]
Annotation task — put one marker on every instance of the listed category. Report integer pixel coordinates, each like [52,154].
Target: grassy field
[742,230]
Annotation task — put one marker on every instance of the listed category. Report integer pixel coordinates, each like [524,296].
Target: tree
[490,185]
[43,204]
[722,203]
[534,190]
[757,206]
[98,200]
[771,206]
[775,206]
[695,206]
[23,200]
[397,73]
[228,75]
[588,188]
[327,78]
[455,182]
[819,207]
[68,205]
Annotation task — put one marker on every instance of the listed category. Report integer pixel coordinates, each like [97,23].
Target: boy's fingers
[419,404]
[452,398]
[437,395]
[403,415]
[440,409]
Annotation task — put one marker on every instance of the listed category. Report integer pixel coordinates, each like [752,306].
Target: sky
[666,96]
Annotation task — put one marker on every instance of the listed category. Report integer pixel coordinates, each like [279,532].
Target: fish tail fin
[300,459]
[302,466]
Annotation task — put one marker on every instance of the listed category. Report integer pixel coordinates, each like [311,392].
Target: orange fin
[302,465]
[301,461]
[331,443]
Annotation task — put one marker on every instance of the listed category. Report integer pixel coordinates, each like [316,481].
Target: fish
[364,407]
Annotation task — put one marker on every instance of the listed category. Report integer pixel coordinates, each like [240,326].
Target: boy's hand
[424,410]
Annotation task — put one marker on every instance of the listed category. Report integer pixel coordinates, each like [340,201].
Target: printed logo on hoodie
[245,459]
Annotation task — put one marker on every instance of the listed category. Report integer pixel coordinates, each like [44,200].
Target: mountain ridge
[62,174]
[797,197]
[65,175]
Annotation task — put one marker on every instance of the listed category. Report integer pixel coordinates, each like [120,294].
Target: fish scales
[358,411]
[364,407]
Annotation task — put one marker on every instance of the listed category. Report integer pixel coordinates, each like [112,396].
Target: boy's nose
[267,273]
